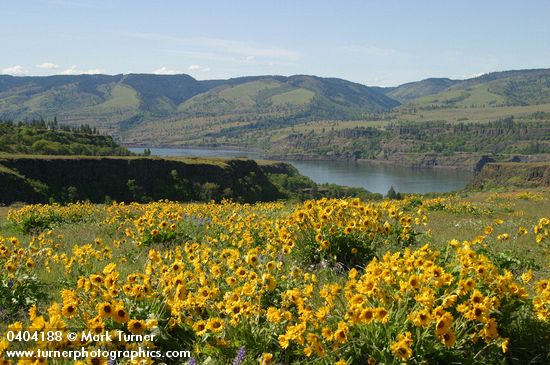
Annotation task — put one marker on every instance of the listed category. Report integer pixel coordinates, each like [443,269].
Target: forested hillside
[121,101]
[39,137]
[294,116]
[425,144]
[507,88]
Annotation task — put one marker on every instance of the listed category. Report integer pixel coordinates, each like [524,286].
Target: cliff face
[460,161]
[14,187]
[36,179]
[513,174]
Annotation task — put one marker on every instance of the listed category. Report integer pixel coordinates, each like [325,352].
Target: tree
[392,194]
[72,193]
[209,191]
[136,192]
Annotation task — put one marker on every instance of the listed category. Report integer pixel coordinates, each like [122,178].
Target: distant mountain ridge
[505,88]
[148,108]
[416,89]
[95,99]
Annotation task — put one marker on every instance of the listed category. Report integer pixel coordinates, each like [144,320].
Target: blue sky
[383,43]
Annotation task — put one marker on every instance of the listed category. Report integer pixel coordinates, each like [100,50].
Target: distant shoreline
[417,161]
[468,162]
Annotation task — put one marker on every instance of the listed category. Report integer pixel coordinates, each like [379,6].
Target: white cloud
[235,50]
[15,70]
[248,49]
[74,70]
[48,66]
[94,71]
[467,76]
[165,71]
[198,68]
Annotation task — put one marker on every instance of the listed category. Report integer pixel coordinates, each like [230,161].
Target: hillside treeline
[504,136]
[50,138]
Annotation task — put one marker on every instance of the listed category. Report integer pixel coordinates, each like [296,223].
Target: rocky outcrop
[512,174]
[37,179]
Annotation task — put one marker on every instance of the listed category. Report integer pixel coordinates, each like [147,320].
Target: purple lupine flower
[240,356]
[111,361]
[192,361]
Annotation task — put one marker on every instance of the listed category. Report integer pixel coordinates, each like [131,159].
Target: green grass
[442,225]
[241,98]
[294,97]
[64,98]
[4,169]
[189,160]
[260,113]
[4,212]
[245,94]
[518,254]
[193,131]
[122,97]
[326,125]
[470,114]
[522,87]
[67,236]
[477,96]
[445,226]
[39,101]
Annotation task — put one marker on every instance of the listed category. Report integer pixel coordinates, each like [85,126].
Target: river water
[373,177]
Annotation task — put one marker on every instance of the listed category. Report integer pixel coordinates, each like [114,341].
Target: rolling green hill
[261,111]
[118,103]
[417,89]
[507,88]
[43,138]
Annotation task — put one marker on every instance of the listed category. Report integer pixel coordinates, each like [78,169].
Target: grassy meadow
[457,278]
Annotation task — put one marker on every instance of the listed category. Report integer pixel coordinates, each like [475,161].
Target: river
[373,177]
